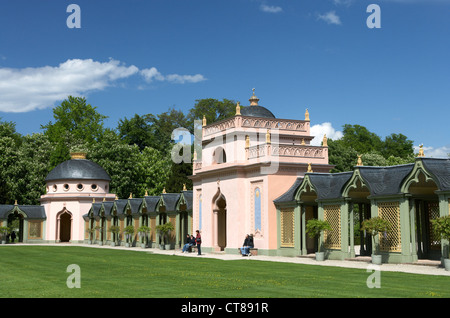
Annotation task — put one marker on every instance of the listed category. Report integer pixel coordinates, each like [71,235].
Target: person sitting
[187,244]
[248,243]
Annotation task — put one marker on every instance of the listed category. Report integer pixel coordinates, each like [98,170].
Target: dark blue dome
[257,111]
[78,169]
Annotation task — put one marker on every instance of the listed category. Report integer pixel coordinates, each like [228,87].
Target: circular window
[94,187]
[79,187]
[55,188]
[66,187]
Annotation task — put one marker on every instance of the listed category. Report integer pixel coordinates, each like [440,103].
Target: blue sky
[145,56]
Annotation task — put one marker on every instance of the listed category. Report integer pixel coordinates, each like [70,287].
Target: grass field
[41,271]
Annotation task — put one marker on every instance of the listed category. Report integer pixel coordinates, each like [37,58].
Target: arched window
[219,156]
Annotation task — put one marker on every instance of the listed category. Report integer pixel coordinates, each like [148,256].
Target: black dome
[79,169]
[256,111]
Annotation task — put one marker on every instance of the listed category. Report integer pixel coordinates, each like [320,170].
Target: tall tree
[74,120]
[213,110]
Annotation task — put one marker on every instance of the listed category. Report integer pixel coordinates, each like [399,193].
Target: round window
[66,187]
[94,187]
[55,187]
[79,187]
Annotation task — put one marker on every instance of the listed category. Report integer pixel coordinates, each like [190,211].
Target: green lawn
[40,271]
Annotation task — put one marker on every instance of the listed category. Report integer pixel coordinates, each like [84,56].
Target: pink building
[245,163]
[72,186]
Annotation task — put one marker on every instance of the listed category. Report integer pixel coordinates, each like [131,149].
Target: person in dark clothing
[13,236]
[187,244]
[248,243]
[198,240]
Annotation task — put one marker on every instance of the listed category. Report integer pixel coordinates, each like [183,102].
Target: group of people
[197,241]
[193,241]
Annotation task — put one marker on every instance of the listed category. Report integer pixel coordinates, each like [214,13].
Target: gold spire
[247,141]
[184,187]
[131,196]
[307,115]
[325,141]
[117,197]
[254,100]
[93,200]
[303,141]
[15,202]
[146,193]
[164,190]
[195,154]
[238,109]
[204,121]
[78,155]
[359,163]
[268,136]
[421,153]
[309,168]
[104,199]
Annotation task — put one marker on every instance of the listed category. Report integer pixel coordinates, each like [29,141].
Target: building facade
[245,163]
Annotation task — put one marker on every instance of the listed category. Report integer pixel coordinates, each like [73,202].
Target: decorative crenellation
[255,122]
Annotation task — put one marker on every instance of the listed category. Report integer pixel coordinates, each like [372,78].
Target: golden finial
[164,190]
[238,109]
[307,115]
[254,100]
[104,199]
[146,193]
[303,141]
[195,154]
[131,196]
[359,163]
[325,141]
[247,141]
[421,153]
[309,168]
[204,121]
[184,187]
[117,197]
[15,202]
[268,136]
[93,200]
[78,155]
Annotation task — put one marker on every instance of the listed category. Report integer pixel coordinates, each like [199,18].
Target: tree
[75,120]
[213,110]
[360,138]
[138,130]
[397,145]
[75,116]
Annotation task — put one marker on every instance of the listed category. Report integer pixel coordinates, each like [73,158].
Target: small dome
[257,111]
[78,169]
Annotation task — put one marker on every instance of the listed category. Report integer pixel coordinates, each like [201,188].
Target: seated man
[188,243]
[248,243]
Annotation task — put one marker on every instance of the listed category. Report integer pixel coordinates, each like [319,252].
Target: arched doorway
[426,208]
[15,222]
[220,220]
[64,221]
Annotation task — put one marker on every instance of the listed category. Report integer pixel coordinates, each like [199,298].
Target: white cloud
[270,9]
[441,152]
[343,2]
[27,89]
[321,129]
[151,74]
[330,18]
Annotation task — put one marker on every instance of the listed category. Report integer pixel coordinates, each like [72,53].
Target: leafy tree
[138,130]
[74,120]
[213,110]
[397,145]
[360,138]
